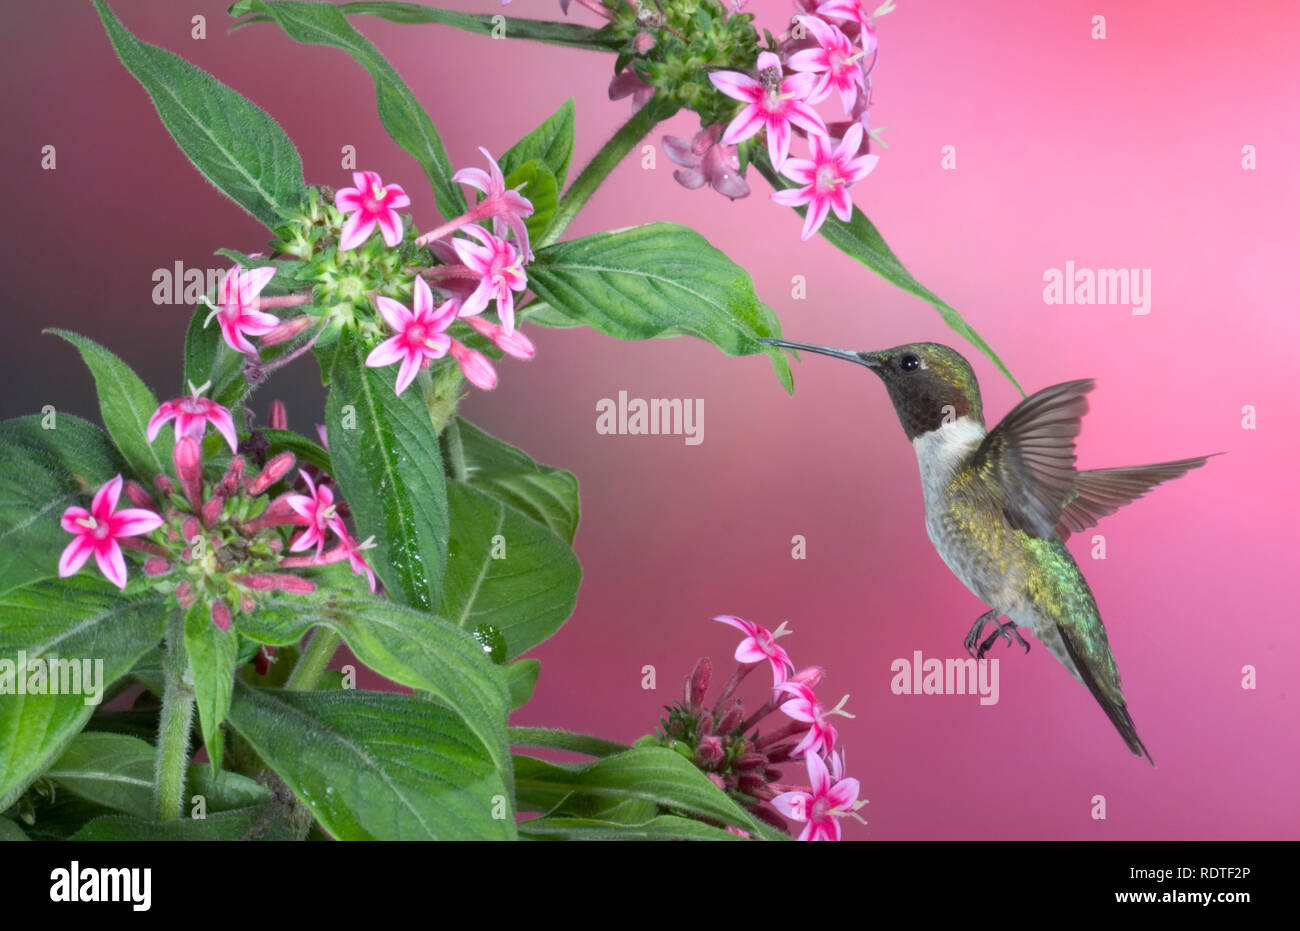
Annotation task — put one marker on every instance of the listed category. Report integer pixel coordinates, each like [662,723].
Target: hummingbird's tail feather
[1100,492]
[1102,679]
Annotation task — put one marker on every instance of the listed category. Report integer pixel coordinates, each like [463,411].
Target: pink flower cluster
[830,50]
[222,536]
[744,763]
[477,269]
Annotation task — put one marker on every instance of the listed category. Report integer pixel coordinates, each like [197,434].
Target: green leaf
[659,279]
[651,774]
[551,144]
[43,472]
[535,181]
[399,110]
[507,570]
[9,830]
[549,496]
[228,825]
[117,771]
[126,404]
[386,461]
[521,679]
[234,143]
[543,314]
[536,30]
[373,765]
[78,618]
[304,449]
[859,239]
[564,740]
[409,647]
[662,827]
[212,664]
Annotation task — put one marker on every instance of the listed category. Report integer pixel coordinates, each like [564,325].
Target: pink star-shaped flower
[237,313]
[837,62]
[826,178]
[420,334]
[370,204]
[773,102]
[507,207]
[760,644]
[805,707]
[705,160]
[192,415]
[98,530]
[319,510]
[355,550]
[830,796]
[851,11]
[500,272]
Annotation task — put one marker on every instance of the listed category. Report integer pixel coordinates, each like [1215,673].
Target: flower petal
[108,556]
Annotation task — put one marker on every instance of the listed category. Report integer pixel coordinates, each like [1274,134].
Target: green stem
[486,24]
[174,726]
[598,169]
[442,394]
[455,452]
[311,665]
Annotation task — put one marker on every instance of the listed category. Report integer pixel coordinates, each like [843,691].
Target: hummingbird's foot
[977,628]
[1007,630]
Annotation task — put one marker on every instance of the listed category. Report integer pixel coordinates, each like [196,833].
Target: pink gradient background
[1117,153]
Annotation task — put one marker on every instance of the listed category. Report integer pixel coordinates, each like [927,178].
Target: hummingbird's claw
[977,628]
[1007,630]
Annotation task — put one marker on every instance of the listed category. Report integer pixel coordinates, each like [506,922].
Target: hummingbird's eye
[909,362]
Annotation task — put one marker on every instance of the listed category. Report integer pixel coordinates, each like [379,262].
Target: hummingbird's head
[929,383]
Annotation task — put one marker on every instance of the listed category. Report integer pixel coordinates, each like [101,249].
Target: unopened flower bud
[155,566]
[212,510]
[221,615]
[279,419]
[188,458]
[275,470]
[233,480]
[709,752]
[284,332]
[139,497]
[731,720]
[185,595]
[698,682]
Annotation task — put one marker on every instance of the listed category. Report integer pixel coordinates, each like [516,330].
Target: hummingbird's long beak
[869,359]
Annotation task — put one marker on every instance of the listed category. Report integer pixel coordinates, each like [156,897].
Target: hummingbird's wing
[1028,458]
[1099,492]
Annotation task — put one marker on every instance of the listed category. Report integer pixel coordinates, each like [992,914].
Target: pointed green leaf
[661,827]
[551,144]
[410,647]
[75,619]
[521,679]
[386,461]
[399,110]
[10,830]
[126,404]
[117,771]
[506,570]
[660,279]
[564,740]
[234,143]
[535,181]
[373,765]
[43,472]
[226,825]
[549,496]
[212,663]
[859,239]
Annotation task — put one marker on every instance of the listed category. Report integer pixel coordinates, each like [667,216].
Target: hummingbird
[1000,504]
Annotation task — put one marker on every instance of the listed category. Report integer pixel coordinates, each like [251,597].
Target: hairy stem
[598,169]
[174,726]
[311,665]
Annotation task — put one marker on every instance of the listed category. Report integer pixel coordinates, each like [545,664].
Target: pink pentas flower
[705,160]
[476,367]
[805,708]
[628,83]
[355,550]
[506,206]
[237,314]
[192,415]
[97,531]
[421,335]
[512,344]
[370,204]
[826,178]
[835,61]
[829,797]
[319,510]
[499,269]
[772,102]
[851,11]
[760,644]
